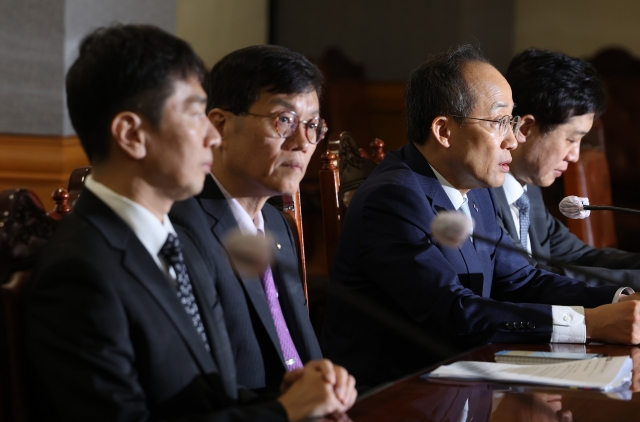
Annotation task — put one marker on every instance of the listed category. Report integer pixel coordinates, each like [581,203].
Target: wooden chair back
[343,171]
[589,178]
[24,229]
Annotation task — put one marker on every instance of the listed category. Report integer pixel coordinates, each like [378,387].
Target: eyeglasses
[286,124]
[503,123]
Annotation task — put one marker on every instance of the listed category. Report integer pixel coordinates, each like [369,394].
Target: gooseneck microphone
[452,229]
[576,207]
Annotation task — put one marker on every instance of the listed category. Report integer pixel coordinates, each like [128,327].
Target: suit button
[531,325]
[523,325]
[516,325]
[510,325]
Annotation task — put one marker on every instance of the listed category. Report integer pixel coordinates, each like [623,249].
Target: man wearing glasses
[460,144]
[558,97]
[264,102]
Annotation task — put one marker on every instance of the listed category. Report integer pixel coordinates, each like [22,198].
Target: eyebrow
[196,99]
[289,105]
[498,104]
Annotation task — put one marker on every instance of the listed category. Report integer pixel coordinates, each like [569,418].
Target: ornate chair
[343,171]
[24,229]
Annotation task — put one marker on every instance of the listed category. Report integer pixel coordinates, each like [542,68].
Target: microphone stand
[610,208]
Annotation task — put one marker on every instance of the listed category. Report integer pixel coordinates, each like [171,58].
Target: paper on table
[600,374]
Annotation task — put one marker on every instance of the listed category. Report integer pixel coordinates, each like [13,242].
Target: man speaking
[461,134]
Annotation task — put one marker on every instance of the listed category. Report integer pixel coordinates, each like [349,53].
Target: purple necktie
[291,358]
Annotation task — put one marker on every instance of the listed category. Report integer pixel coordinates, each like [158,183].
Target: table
[418,399]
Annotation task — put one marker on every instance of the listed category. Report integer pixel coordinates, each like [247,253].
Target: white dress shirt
[568,321]
[151,232]
[246,225]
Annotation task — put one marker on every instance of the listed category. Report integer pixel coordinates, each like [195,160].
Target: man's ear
[440,130]
[220,119]
[526,125]
[128,131]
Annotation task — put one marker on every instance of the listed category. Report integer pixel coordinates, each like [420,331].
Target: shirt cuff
[622,290]
[568,324]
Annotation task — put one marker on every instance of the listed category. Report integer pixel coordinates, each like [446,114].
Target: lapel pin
[475,207]
[278,245]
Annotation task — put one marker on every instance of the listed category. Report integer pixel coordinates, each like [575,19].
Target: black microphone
[575,207]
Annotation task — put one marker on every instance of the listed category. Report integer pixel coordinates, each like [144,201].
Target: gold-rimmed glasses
[286,123]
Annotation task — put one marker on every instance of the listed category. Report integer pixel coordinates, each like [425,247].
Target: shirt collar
[151,232]
[245,223]
[513,190]
[454,194]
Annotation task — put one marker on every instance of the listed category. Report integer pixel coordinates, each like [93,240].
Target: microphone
[452,229]
[250,255]
[575,207]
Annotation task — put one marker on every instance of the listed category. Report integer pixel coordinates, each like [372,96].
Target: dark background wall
[391,38]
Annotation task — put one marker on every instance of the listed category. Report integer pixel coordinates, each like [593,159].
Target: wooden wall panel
[39,163]
[386,113]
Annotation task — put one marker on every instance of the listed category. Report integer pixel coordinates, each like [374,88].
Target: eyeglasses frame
[512,119]
[305,123]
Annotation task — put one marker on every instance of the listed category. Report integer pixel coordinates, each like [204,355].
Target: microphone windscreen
[250,254]
[451,228]
[573,207]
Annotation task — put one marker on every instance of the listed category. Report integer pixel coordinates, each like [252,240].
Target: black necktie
[172,252]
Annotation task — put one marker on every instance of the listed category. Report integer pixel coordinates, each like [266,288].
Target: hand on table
[319,389]
[615,322]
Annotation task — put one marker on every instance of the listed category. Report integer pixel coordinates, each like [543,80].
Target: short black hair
[124,67]
[554,87]
[438,88]
[235,82]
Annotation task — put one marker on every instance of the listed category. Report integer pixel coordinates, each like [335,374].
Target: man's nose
[574,153]
[212,138]
[298,141]
[510,142]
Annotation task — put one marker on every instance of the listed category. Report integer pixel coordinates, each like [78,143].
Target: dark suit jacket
[258,356]
[468,295]
[107,338]
[550,238]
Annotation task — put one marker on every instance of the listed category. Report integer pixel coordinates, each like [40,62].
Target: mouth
[504,166]
[207,166]
[558,173]
[296,166]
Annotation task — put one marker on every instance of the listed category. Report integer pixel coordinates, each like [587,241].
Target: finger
[342,381]
[325,367]
[352,393]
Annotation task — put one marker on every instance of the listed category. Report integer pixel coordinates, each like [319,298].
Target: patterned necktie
[523,207]
[291,357]
[464,209]
[172,252]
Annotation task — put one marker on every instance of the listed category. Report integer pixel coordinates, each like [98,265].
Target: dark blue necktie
[172,252]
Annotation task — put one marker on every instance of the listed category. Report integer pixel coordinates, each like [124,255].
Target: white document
[599,374]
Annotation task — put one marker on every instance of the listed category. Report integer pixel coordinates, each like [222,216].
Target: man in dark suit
[558,98]
[264,102]
[121,320]
[461,133]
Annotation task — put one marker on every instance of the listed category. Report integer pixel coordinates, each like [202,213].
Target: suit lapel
[537,216]
[213,321]
[214,203]
[505,212]
[142,267]
[473,277]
